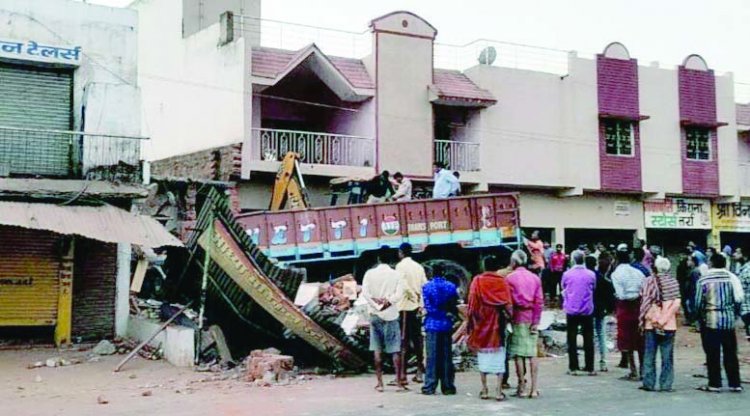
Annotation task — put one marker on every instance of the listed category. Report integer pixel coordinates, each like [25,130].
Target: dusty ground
[75,390]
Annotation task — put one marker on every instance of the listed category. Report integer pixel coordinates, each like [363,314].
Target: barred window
[698,143]
[618,136]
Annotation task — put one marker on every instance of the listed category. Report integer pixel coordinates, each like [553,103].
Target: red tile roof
[449,84]
[743,114]
[457,86]
[269,62]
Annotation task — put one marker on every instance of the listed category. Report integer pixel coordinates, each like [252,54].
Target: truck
[254,262]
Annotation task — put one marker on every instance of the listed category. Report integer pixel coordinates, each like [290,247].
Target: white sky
[653,30]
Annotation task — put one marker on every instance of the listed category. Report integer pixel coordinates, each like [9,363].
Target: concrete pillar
[122,289]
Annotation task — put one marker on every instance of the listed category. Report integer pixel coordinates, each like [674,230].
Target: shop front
[731,224]
[586,219]
[674,222]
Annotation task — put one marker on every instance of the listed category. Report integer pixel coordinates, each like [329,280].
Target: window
[698,141]
[618,137]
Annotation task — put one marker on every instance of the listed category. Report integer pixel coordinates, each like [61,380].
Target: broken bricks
[268,366]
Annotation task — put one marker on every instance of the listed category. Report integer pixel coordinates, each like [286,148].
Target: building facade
[70,168]
[603,148]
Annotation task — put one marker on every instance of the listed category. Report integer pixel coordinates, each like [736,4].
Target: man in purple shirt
[578,286]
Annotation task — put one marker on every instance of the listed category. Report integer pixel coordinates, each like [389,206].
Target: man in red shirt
[558,263]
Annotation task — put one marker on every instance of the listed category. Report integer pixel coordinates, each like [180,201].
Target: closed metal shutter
[35,98]
[94,289]
[29,277]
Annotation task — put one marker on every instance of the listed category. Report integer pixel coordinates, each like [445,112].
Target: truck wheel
[455,271]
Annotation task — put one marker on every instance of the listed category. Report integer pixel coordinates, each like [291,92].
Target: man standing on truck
[382,289]
[445,182]
[379,188]
[413,278]
[404,188]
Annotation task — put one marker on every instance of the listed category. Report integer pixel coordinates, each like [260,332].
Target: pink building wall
[697,89]
[617,92]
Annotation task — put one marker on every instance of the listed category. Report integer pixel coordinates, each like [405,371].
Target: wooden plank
[221,344]
[139,275]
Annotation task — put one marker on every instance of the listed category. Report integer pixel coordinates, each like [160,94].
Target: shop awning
[104,223]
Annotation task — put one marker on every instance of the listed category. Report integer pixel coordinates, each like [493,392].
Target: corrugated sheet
[94,280]
[72,187]
[104,223]
[29,277]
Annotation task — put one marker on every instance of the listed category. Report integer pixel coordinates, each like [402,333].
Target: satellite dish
[488,55]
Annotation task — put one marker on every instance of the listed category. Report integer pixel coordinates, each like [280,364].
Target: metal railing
[315,147]
[293,36]
[69,154]
[460,156]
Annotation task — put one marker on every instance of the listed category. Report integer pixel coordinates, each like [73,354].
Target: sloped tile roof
[269,62]
[743,114]
[455,85]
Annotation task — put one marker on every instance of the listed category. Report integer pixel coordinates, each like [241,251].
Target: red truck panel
[365,224]
[338,224]
[308,227]
[414,217]
[459,211]
[388,219]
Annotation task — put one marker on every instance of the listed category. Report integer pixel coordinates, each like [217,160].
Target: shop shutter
[94,289]
[29,277]
[35,98]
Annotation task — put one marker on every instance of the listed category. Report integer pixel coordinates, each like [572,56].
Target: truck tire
[453,270]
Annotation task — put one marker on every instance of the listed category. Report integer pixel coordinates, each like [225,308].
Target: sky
[653,30]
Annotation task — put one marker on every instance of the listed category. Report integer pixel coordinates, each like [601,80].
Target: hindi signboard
[678,213]
[732,217]
[34,51]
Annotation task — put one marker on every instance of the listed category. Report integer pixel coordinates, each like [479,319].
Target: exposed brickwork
[94,289]
[698,106]
[617,92]
[219,163]
[743,114]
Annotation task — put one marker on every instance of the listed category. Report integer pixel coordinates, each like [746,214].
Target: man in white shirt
[383,290]
[413,277]
[403,193]
[445,182]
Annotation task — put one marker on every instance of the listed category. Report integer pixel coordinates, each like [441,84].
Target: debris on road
[104,347]
[269,366]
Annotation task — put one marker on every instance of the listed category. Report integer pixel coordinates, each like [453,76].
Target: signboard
[34,51]
[678,213]
[622,208]
[732,216]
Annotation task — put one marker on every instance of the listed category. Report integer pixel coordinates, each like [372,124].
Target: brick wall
[698,106]
[218,163]
[617,94]
[743,114]
[94,289]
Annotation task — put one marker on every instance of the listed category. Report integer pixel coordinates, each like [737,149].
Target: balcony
[69,154]
[456,155]
[314,147]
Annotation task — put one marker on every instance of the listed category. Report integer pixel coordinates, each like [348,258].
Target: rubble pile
[268,366]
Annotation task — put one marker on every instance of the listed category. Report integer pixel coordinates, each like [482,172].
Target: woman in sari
[660,303]
[488,312]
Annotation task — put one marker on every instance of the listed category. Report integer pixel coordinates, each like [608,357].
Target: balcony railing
[315,147]
[69,154]
[460,156]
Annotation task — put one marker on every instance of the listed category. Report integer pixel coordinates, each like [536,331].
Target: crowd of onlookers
[411,314]
[638,286]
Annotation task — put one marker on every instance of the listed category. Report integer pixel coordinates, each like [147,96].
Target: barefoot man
[382,289]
